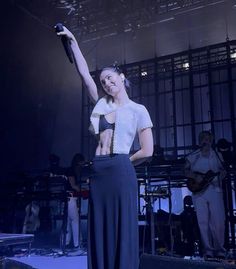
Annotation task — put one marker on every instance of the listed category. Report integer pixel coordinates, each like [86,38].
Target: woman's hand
[67,33]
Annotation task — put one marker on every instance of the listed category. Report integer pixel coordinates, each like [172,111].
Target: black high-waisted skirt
[113,216]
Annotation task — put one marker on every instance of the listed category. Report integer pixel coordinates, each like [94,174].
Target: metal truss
[96,19]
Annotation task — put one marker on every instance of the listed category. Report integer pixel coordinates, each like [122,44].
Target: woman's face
[112,82]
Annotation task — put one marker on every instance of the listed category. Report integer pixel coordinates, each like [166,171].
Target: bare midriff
[105,143]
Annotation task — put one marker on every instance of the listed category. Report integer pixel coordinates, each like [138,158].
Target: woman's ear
[122,77]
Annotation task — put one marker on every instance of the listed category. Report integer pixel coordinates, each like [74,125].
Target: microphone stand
[228,200]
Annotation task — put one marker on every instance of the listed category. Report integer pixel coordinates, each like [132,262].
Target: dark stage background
[40,93]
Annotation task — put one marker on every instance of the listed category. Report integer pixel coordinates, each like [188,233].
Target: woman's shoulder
[137,106]
[101,100]
[103,106]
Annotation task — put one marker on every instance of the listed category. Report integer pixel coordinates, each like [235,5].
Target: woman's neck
[121,99]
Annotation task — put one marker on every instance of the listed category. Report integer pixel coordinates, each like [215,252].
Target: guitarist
[208,203]
[74,189]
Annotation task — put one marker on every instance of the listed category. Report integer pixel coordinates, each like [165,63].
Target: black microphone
[66,42]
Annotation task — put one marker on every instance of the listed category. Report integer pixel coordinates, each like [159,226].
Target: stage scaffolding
[185,93]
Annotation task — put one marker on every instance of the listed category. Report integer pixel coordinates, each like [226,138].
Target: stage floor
[42,262]
[80,262]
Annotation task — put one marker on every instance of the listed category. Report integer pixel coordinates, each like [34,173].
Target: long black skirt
[113,216]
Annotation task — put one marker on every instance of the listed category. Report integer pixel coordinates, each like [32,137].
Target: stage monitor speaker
[166,262]
[11,264]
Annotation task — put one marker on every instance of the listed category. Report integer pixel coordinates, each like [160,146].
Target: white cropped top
[130,119]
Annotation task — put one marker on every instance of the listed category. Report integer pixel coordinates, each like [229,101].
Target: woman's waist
[112,164]
[111,156]
[113,145]
[110,161]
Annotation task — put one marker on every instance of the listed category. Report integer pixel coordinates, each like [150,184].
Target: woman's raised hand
[80,62]
[66,33]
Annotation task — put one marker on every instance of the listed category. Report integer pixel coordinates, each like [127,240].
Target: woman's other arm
[146,147]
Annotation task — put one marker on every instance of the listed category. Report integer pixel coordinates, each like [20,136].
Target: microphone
[66,42]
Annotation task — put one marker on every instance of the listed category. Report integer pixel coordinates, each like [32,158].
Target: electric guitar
[31,221]
[201,181]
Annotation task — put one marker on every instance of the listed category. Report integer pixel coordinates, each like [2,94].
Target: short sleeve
[144,120]
[193,157]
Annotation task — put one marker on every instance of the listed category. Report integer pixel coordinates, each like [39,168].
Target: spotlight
[144,74]
[233,55]
[186,66]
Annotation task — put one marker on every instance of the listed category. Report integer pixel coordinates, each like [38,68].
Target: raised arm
[81,65]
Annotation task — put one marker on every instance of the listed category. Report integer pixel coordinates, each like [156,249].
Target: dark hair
[188,200]
[115,68]
[223,144]
[203,134]
[78,157]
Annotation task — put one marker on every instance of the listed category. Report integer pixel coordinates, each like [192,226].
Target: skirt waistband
[110,156]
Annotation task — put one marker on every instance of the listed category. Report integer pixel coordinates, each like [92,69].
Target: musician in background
[190,229]
[208,203]
[54,165]
[74,174]
[225,148]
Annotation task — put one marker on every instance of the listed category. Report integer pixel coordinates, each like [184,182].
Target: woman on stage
[115,119]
